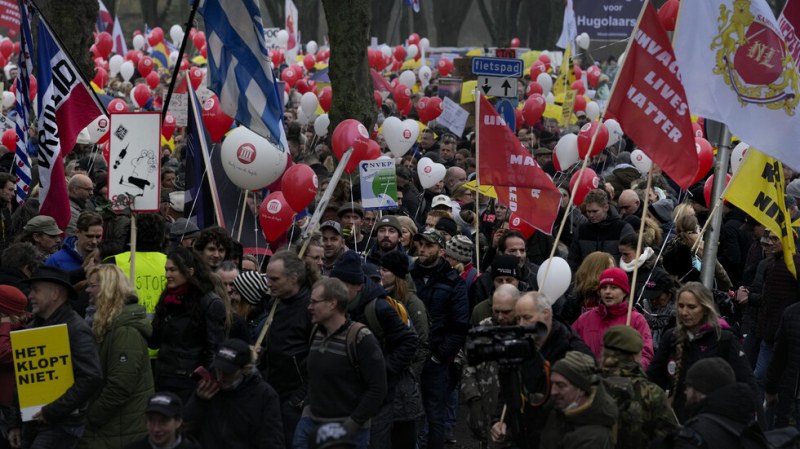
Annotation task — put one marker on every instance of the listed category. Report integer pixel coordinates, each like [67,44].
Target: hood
[134,315]
[600,410]
[735,402]
[369,291]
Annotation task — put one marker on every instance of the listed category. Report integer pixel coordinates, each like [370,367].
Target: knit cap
[624,339]
[251,286]
[12,301]
[505,265]
[448,225]
[578,368]
[460,248]
[348,268]
[396,262]
[709,375]
[615,276]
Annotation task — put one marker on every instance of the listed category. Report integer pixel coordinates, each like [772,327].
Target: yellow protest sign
[42,366]
[566,108]
[566,75]
[757,189]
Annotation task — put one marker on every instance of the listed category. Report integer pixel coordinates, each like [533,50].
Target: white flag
[737,70]
[569,30]
[293,46]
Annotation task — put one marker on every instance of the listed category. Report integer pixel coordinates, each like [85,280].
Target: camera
[507,345]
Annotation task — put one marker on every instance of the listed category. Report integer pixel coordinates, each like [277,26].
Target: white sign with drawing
[453,117]
[134,172]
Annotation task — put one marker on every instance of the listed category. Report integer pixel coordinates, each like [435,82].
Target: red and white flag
[293,45]
[120,46]
[519,181]
[650,104]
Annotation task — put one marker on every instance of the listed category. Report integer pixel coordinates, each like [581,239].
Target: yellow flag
[758,189]
[566,76]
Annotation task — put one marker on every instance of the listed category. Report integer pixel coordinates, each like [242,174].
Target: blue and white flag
[414,4]
[239,67]
[201,197]
[22,161]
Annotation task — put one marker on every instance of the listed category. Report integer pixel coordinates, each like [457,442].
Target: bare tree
[73,22]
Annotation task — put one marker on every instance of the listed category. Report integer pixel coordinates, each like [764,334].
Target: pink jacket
[593,324]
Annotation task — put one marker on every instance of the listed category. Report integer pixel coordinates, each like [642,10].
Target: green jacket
[116,414]
[589,426]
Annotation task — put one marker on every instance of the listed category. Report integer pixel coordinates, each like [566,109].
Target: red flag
[518,180]
[650,103]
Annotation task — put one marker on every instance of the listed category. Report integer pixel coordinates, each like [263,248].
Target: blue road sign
[512,68]
[506,110]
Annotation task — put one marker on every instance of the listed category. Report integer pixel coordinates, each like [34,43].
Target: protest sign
[42,366]
[134,169]
[179,108]
[450,88]
[606,20]
[271,38]
[453,117]
[378,184]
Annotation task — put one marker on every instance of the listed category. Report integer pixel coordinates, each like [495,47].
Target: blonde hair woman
[586,284]
[121,328]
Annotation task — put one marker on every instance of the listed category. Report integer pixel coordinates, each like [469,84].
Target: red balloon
[697,129]
[7,47]
[168,127]
[544,59]
[445,66]
[277,57]
[705,157]
[9,139]
[585,139]
[534,88]
[152,80]
[537,68]
[156,36]
[577,71]
[519,119]
[350,133]
[515,42]
[300,186]
[580,104]
[375,94]
[405,109]
[533,109]
[556,164]
[3,62]
[435,107]
[134,56]
[578,86]
[290,76]
[308,62]
[204,51]
[195,77]
[145,65]
[276,185]
[216,121]
[668,14]
[312,86]
[589,181]
[421,107]
[402,95]
[515,223]
[373,151]
[100,77]
[372,57]
[103,43]
[325,98]
[199,40]
[141,94]
[275,216]
[413,39]
[593,76]
[16,48]
[399,53]
[302,86]
[117,105]
[709,185]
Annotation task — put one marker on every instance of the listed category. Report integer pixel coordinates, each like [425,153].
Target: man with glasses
[80,190]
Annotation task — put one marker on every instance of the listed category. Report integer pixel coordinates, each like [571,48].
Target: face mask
[574,403]
[697,264]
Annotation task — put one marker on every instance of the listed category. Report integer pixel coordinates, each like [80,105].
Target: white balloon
[173,58]
[98,128]
[621,59]
[400,135]
[126,70]
[309,102]
[321,125]
[8,99]
[614,131]
[302,118]
[311,47]
[412,51]
[176,34]
[546,81]
[430,172]
[138,42]
[282,38]
[251,161]
[567,150]
[737,155]
[592,110]
[425,74]
[550,98]
[285,98]
[424,44]
[114,63]
[558,278]
[408,78]
[386,50]
[583,41]
[641,161]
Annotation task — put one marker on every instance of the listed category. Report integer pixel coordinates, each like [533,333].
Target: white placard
[271,37]
[453,117]
[134,166]
[179,108]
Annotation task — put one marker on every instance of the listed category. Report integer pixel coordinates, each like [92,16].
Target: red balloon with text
[588,181]
[216,121]
[275,216]
[299,185]
[585,136]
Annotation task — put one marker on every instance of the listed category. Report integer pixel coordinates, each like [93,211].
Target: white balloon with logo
[425,75]
[309,103]
[8,99]
[176,34]
[641,161]
[567,151]
[546,81]
[737,156]
[98,128]
[114,63]
[138,42]
[400,135]
[282,38]
[312,47]
[592,110]
[407,78]
[554,276]
[126,70]
[614,131]
[251,161]
[430,172]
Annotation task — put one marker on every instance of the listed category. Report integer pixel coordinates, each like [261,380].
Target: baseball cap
[433,237]
[231,355]
[331,224]
[441,200]
[165,403]
[44,224]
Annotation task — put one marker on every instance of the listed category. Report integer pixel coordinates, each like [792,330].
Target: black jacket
[603,236]
[249,416]
[144,443]
[784,368]
[483,287]
[14,277]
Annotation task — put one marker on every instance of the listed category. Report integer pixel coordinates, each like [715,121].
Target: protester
[585,292]
[80,190]
[19,261]
[88,234]
[601,233]
[164,420]
[43,232]
[214,245]
[12,317]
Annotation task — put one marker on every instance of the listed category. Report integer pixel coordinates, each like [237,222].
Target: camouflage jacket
[480,390]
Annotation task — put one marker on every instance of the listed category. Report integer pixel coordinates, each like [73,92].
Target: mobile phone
[201,373]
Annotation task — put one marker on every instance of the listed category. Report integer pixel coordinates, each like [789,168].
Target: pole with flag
[22,162]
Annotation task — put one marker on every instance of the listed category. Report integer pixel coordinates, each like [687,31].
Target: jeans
[290,415]
[762,364]
[43,436]
[380,435]
[305,435]
[435,382]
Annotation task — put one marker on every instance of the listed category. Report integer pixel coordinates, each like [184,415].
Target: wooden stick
[636,263]
[241,221]
[477,95]
[133,247]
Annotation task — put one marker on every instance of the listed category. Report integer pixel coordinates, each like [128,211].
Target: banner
[758,190]
[134,169]
[10,16]
[378,184]
[607,19]
[42,366]
[22,107]
[566,74]
[649,102]
[293,44]
[740,73]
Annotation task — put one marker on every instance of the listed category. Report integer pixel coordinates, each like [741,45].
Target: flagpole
[711,236]
[477,95]
[241,219]
[177,67]
[636,263]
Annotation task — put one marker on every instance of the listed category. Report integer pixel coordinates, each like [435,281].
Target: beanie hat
[615,276]
[347,268]
[624,339]
[697,195]
[448,225]
[709,375]
[12,301]
[396,263]
[662,210]
[505,265]
[578,368]
[251,286]
[389,220]
[460,248]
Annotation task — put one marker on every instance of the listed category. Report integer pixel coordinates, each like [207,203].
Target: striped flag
[22,162]
[201,195]
[66,105]
[104,20]
[239,67]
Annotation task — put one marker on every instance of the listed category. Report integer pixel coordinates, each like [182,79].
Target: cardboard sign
[271,38]
[453,117]
[179,108]
[378,184]
[566,111]
[42,366]
[134,168]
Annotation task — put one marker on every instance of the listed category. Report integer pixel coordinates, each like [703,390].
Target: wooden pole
[133,247]
[639,246]
[241,221]
[477,96]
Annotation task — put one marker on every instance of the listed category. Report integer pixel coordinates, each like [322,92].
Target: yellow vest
[150,280]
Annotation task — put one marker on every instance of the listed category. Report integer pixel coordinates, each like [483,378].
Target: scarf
[176,295]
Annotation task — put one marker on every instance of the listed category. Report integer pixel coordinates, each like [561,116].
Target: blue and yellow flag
[160,54]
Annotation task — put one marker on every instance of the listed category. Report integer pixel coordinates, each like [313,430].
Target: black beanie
[709,375]
[396,263]
[347,268]
[505,265]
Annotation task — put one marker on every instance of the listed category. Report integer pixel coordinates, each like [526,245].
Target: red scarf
[176,295]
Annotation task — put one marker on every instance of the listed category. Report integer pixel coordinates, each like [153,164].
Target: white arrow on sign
[495,86]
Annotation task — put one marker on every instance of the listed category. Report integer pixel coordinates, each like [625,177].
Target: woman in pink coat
[613,310]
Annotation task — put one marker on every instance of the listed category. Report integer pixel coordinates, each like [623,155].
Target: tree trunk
[149,12]
[73,22]
[348,30]
[449,16]
[308,11]
[382,20]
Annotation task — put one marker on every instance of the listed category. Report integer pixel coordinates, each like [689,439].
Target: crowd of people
[357,335]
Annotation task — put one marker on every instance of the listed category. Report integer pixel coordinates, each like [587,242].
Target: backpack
[371,315]
[351,342]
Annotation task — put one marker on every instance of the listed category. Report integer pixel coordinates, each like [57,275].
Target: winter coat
[590,425]
[419,319]
[144,443]
[779,289]
[7,364]
[603,236]
[593,324]
[115,414]
[246,417]
[67,258]
[784,369]
[483,287]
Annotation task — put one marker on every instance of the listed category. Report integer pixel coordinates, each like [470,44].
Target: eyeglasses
[317,301]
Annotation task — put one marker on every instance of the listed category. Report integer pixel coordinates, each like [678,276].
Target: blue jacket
[445,296]
[67,258]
